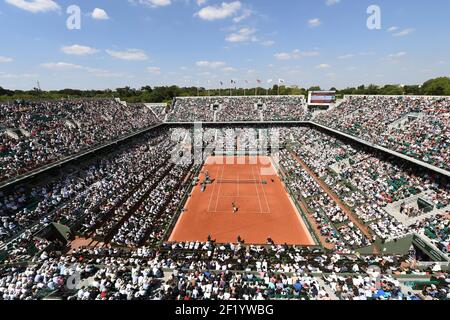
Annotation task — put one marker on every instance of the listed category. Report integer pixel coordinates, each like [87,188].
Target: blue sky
[191,42]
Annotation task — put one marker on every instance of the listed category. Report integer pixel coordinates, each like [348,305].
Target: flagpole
[268,88]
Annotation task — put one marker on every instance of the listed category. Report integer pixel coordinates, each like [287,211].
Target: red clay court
[264,207]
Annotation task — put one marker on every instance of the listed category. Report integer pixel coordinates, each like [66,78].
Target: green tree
[413,90]
[437,87]
[391,89]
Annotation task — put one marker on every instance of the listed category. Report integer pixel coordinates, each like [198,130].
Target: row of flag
[280,81]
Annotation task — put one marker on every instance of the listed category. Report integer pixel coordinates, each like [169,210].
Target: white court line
[264,193]
[250,197]
[212,194]
[246,212]
[257,192]
[220,187]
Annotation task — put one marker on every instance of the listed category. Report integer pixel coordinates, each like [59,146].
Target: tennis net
[231,181]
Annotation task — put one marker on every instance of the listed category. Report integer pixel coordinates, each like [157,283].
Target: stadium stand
[34,134]
[122,205]
[239,109]
[415,126]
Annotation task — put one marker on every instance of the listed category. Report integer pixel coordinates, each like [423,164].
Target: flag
[259,81]
[269,81]
[280,81]
[232,81]
[221,83]
[246,81]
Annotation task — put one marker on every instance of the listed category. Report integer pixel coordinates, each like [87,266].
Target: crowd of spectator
[367,287]
[232,109]
[368,182]
[239,109]
[285,108]
[210,271]
[159,109]
[415,126]
[33,134]
[93,199]
[332,222]
[129,199]
[437,229]
[200,109]
[118,194]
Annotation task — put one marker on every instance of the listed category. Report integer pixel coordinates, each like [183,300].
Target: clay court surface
[264,207]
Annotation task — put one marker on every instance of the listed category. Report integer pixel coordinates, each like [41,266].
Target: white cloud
[229,69]
[5,59]
[5,75]
[268,43]
[247,13]
[154,70]
[323,66]
[79,50]
[99,14]
[296,54]
[225,10]
[404,33]
[66,66]
[201,2]
[332,2]
[62,66]
[314,22]
[346,56]
[283,56]
[397,55]
[103,73]
[309,53]
[242,35]
[128,55]
[35,6]
[153,3]
[210,64]
[392,29]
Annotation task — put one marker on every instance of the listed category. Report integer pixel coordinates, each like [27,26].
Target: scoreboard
[321,97]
